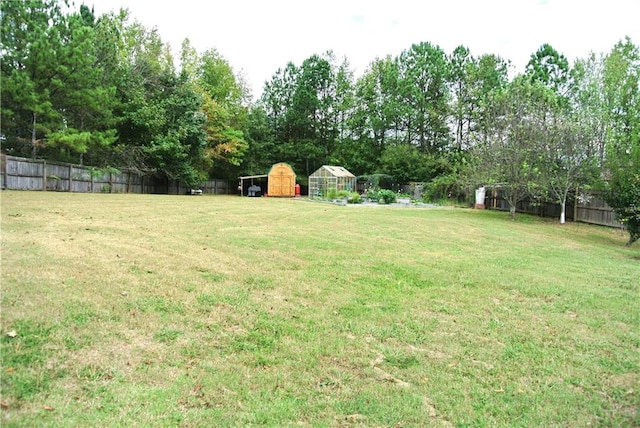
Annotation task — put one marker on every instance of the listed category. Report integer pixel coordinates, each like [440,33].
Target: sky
[257,37]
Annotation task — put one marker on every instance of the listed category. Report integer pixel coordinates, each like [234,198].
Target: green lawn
[155,310]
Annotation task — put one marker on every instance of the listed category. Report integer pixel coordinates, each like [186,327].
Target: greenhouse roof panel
[336,171]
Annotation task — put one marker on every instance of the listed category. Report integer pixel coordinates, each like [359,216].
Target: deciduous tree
[507,158]
[622,92]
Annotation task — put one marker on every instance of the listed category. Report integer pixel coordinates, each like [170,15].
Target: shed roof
[336,171]
[281,167]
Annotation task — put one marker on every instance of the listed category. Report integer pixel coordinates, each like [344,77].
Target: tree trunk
[563,205]
[33,137]
[512,211]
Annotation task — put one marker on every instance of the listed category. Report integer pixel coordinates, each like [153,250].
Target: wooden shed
[329,177]
[281,181]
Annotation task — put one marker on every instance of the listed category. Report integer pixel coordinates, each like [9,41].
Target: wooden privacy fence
[37,174]
[212,187]
[593,209]
[586,208]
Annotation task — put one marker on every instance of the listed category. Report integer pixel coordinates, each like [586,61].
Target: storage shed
[329,177]
[281,181]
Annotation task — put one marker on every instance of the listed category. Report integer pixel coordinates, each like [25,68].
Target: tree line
[106,91]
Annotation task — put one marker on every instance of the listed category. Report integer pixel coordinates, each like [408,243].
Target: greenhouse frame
[329,177]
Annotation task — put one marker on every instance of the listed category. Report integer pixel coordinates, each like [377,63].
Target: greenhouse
[328,177]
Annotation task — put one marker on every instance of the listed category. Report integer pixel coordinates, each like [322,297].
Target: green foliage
[354,198]
[405,163]
[373,182]
[509,155]
[303,105]
[422,96]
[333,194]
[54,86]
[99,172]
[372,195]
[622,77]
[386,196]
[623,187]
[441,187]
[382,196]
[261,152]
[81,142]
[550,68]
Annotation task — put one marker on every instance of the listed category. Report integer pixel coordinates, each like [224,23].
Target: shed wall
[281,181]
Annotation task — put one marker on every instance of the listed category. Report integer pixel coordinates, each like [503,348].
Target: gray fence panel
[593,211]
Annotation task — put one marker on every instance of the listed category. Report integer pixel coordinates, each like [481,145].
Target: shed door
[281,183]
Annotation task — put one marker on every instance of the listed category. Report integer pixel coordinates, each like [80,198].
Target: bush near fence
[36,174]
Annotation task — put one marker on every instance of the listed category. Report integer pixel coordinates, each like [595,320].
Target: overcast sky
[259,36]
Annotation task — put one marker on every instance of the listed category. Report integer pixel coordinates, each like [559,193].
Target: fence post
[110,182]
[70,178]
[44,175]
[3,166]
[575,206]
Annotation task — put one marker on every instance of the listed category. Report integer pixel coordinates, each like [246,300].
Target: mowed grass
[155,310]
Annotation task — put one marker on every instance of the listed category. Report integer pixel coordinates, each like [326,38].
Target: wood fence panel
[102,183]
[80,179]
[25,169]
[135,183]
[28,174]
[593,211]
[215,187]
[24,183]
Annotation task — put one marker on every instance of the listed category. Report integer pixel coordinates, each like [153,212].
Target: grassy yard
[155,310]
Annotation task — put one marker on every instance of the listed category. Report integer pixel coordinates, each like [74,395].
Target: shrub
[354,198]
[332,194]
[386,196]
[373,195]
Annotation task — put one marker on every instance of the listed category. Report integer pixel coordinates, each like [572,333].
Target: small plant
[386,196]
[373,195]
[354,198]
[332,194]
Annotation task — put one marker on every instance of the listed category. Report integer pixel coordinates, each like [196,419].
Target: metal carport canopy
[250,177]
